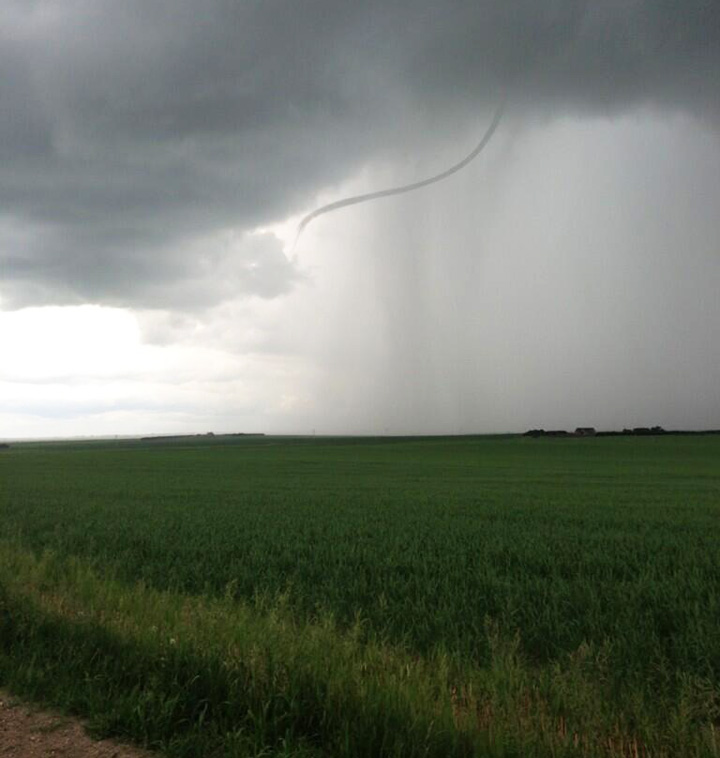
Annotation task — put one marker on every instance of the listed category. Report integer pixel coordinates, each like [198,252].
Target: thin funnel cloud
[369,196]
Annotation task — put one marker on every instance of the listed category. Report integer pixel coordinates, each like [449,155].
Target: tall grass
[194,676]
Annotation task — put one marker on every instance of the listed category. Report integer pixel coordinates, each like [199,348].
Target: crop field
[268,596]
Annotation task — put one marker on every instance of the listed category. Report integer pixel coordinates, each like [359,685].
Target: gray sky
[569,276]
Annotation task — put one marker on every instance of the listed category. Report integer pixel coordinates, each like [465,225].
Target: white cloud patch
[86,370]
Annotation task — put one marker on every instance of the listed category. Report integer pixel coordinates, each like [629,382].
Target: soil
[27,732]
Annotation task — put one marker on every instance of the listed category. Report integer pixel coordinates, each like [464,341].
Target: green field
[495,596]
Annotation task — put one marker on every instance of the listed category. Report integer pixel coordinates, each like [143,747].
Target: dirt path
[26,732]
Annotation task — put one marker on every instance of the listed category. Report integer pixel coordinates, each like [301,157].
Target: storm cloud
[142,143]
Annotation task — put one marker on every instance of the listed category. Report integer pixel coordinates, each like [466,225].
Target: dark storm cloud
[134,134]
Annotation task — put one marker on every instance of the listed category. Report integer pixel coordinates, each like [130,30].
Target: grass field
[369,597]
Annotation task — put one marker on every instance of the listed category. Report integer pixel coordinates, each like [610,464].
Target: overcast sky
[156,157]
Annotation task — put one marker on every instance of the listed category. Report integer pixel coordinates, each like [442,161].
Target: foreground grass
[199,676]
[459,597]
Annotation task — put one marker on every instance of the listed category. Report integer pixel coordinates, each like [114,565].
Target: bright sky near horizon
[155,163]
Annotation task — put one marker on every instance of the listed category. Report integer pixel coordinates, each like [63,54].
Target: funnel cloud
[401,190]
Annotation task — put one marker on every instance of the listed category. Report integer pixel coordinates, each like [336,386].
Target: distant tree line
[167,437]
[638,431]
